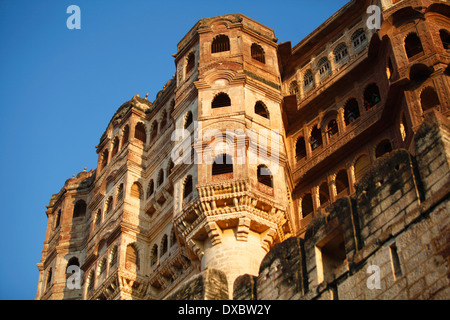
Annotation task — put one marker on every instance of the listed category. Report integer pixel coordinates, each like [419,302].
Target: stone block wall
[389,241]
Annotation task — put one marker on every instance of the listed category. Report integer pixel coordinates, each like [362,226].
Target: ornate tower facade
[240,208]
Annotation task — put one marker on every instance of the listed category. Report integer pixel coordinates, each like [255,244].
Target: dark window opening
[429,99]
[342,185]
[221,100]
[160,177]
[104,159]
[151,188]
[324,195]
[139,132]
[189,120]
[316,138]
[300,149]
[58,219]
[258,53]
[125,135]
[190,62]
[154,131]
[164,245]
[383,148]
[351,111]
[187,190]
[220,43]
[265,176]
[371,96]
[115,147]
[413,45]
[154,258]
[307,205]
[445,38]
[332,128]
[261,109]
[223,164]
[79,209]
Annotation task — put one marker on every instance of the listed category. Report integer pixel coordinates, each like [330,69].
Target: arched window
[342,185]
[120,192]
[113,257]
[351,111]
[160,177]
[125,135]
[90,280]
[308,80]
[223,164]
[173,238]
[190,62]
[220,43]
[307,205]
[72,262]
[382,148]
[359,40]
[154,131]
[293,88]
[445,38]
[429,99]
[371,96]
[154,255]
[324,68]
[341,53]
[187,188]
[139,132]
[170,166]
[150,188]
[164,119]
[324,195]
[132,257]
[105,156]
[258,53]
[79,209]
[58,218]
[188,120]
[109,205]
[102,267]
[98,218]
[413,45]
[300,149]
[115,147]
[362,164]
[164,245]
[136,191]
[316,138]
[261,109]
[332,128]
[49,278]
[265,176]
[221,100]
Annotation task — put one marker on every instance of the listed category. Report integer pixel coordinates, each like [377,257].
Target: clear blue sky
[59,88]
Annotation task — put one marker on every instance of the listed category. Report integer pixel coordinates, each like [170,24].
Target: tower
[238,210]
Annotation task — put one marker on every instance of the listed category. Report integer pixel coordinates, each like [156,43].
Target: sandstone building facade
[266,171]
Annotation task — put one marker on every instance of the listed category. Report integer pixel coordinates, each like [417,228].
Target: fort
[362,141]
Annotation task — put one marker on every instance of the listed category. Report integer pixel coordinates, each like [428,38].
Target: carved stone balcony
[231,204]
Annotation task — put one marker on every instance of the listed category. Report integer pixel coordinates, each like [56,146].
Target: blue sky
[59,89]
